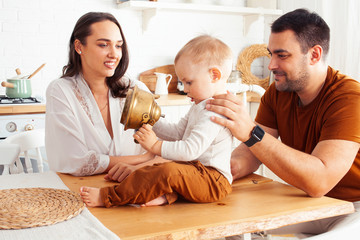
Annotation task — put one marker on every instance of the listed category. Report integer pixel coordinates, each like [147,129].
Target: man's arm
[243,162]
[316,173]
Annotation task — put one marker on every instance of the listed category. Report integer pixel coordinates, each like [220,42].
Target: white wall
[33,32]
[343,18]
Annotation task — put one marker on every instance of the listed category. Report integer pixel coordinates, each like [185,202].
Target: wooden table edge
[231,228]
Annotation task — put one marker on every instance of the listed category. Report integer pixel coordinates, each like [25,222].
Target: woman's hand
[237,119]
[119,172]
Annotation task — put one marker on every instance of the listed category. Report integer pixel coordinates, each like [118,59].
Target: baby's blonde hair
[209,50]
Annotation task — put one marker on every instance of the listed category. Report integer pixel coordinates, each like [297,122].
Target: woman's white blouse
[77,141]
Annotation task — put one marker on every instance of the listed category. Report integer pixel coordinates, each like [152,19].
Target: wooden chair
[9,153]
[30,143]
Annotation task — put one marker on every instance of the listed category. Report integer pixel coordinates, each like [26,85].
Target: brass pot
[140,108]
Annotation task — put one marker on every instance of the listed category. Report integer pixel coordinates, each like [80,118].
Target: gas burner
[6,100]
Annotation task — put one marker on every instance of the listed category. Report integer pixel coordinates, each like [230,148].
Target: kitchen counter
[172,99]
[12,109]
[176,99]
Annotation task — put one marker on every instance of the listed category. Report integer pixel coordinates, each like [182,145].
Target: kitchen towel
[84,226]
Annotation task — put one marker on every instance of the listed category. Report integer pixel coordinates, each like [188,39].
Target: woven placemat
[34,207]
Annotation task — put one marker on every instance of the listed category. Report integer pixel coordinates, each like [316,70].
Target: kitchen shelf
[147,5]
[149,9]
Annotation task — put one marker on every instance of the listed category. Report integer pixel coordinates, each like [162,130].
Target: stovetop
[6,100]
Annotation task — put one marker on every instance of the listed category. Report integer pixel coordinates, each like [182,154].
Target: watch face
[256,136]
[258,133]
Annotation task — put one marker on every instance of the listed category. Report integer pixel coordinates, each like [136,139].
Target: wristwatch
[256,136]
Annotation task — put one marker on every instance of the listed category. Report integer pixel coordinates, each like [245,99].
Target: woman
[83,110]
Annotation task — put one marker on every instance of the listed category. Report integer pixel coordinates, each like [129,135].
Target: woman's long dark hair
[81,31]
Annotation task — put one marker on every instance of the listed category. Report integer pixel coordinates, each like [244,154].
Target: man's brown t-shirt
[333,114]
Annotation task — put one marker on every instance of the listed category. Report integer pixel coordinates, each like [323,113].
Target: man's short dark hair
[309,28]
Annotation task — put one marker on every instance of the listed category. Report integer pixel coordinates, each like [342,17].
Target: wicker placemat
[33,207]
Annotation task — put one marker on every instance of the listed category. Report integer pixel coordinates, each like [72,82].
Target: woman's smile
[110,64]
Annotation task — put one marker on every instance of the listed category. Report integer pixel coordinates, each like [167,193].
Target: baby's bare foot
[156,202]
[91,196]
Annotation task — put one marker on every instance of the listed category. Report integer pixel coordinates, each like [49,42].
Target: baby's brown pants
[192,180]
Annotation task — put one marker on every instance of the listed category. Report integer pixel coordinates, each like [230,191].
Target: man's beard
[293,85]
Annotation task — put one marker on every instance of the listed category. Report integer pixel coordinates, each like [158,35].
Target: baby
[200,149]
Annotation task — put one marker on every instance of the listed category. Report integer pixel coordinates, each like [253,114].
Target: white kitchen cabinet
[174,106]
[174,113]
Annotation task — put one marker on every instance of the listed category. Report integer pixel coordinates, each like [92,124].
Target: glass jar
[233,82]
[234,77]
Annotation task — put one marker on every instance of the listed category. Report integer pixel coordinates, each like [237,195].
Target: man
[315,111]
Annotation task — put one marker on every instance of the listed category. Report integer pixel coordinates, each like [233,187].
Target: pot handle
[7,84]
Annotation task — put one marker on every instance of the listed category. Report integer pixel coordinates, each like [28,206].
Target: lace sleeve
[93,165]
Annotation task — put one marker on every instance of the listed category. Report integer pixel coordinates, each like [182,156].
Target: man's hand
[237,120]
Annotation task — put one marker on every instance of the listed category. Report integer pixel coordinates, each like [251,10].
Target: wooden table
[256,204]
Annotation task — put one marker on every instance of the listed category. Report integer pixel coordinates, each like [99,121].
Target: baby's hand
[146,137]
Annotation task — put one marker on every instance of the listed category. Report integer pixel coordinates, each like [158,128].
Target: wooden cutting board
[149,78]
